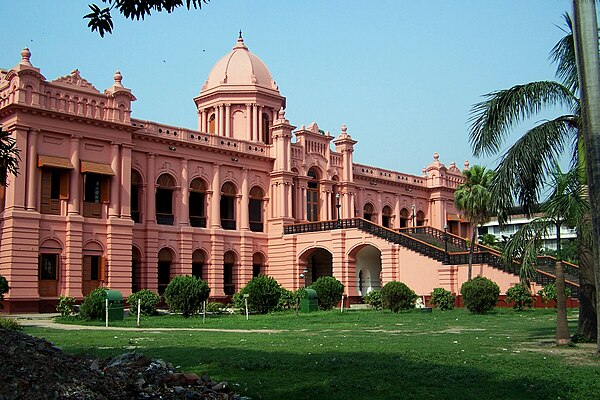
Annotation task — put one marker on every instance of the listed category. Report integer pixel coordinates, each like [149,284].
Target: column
[113,207]
[261,134]
[204,120]
[151,189]
[228,120]
[216,197]
[327,207]
[31,170]
[255,124]
[249,121]
[245,223]
[302,215]
[184,212]
[125,199]
[218,120]
[74,198]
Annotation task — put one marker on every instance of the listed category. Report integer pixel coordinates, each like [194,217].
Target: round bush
[549,293]
[480,294]
[93,306]
[263,293]
[65,305]
[4,288]
[397,296]
[148,301]
[521,296]
[329,291]
[185,294]
[442,299]
[373,298]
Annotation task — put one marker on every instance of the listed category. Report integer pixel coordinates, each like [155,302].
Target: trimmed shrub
[521,296]
[373,298]
[480,294]
[263,293]
[148,301]
[329,291]
[185,294]
[215,307]
[10,323]
[65,305]
[287,300]
[442,299]
[397,296]
[549,293]
[93,306]
[4,288]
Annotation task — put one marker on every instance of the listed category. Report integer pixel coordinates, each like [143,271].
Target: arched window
[228,193]
[312,197]
[420,218]
[368,211]
[199,265]
[404,216]
[136,196]
[257,265]
[164,199]
[197,203]
[165,258]
[211,123]
[136,273]
[49,268]
[93,268]
[265,129]
[229,273]
[255,207]
[386,217]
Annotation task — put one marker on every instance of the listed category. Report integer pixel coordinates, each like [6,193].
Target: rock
[220,386]
[95,365]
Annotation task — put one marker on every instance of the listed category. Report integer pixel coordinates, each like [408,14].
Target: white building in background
[516,222]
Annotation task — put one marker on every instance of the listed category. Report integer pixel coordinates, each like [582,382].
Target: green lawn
[365,354]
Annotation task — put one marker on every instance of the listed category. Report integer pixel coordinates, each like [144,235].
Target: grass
[363,354]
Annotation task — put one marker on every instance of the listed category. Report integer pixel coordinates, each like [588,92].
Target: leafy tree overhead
[9,156]
[100,19]
[472,198]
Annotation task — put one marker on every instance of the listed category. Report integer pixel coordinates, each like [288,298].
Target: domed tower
[240,98]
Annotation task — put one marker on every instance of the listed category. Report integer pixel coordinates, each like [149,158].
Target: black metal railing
[197,221]
[256,226]
[164,219]
[428,248]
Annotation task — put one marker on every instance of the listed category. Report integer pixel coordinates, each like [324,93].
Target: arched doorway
[49,268]
[386,217]
[165,259]
[136,269]
[199,264]
[93,267]
[197,203]
[420,218]
[312,196]
[164,199]
[258,262]
[404,217]
[228,194]
[319,262]
[229,273]
[368,211]
[255,209]
[368,268]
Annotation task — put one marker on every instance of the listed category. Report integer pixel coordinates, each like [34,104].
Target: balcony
[164,219]
[198,222]
[228,224]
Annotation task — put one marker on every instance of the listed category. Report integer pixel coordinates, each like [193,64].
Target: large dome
[239,68]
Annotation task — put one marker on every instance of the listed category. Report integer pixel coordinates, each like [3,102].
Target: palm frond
[521,173]
[492,119]
[567,201]
[563,54]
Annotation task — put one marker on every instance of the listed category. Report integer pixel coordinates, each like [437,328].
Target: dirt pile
[32,368]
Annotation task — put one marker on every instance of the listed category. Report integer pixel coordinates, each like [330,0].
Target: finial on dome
[466,164]
[344,129]
[118,78]
[240,42]
[25,56]
[436,156]
[240,37]
[281,113]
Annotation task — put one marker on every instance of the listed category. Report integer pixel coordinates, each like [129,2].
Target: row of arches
[239,126]
[165,206]
[406,219]
[200,268]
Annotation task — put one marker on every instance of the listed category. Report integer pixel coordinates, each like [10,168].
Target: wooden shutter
[64,185]
[105,189]
[101,269]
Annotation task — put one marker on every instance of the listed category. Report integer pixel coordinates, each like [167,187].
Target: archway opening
[199,264]
[227,206]
[368,269]
[229,273]
[165,259]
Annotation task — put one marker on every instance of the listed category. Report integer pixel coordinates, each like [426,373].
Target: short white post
[139,311]
[246,303]
[342,303]
[204,311]
[106,311]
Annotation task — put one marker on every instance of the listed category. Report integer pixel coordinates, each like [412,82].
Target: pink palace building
[103,199]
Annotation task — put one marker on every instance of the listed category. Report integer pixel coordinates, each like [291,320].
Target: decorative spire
[240,42]
[240,37]
[25,56]
[118,78]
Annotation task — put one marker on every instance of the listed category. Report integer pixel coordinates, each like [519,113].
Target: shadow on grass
[356,375]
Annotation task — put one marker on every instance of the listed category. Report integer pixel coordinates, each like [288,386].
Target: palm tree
[9,156]
[472,198]
[526,165]
[566,204]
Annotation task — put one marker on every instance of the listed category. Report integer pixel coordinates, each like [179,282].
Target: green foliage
[148,301]
[521,296]
[214,307]
[100,19]
[480,294]
[263,293]
[374,299]
[185,294]
[442,299]
[10,155]
[10,323]
[65,305]
[93,306]
[329,291]
[397,296]
[289,299]
[4,288]
[549,293]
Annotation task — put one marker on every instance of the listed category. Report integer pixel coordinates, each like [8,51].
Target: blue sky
[402,75]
